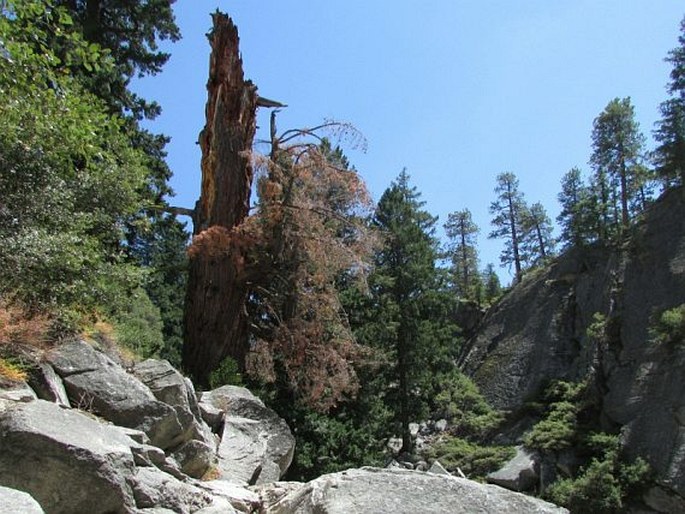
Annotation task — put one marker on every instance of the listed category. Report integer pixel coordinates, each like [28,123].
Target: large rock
[13,501]
[401,491]
[538,333]
[67,461]
[152,488]
[48,385]
[72,462]
[519,474]
[257,445]
[97,384]
[18,392]
[197,453]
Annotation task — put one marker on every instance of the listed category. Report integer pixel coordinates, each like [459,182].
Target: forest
[345,315]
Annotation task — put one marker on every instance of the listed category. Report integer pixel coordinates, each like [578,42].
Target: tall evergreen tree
[411,305]
[462,252]
[669,155]
[492,288]
[575,217]
[537,242]
[618,146]
[509,210]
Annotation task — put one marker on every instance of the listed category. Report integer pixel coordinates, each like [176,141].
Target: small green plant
[597,329]
[227,373]
[474,460]
[460,402]
[669,326]
[12,370]
[604,485]
[138,324]
[558,429]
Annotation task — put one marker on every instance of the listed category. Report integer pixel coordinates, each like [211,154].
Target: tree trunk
[215,319]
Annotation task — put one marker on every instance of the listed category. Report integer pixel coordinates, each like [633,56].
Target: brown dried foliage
[310,226]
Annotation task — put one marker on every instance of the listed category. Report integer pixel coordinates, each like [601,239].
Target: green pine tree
[618,146]
[509,211]
[410,305]
[669,155]
[578,225]
[462,253]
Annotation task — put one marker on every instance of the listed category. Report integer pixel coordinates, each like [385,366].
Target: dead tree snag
[215,321]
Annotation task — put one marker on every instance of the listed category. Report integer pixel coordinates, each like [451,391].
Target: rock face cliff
[539,333]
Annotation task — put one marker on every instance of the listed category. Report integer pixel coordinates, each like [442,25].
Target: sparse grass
[12,371]
[20,327]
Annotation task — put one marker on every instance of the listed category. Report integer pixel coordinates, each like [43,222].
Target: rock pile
[88,435]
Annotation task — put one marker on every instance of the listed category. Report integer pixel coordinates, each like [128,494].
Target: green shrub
[605,484]
[227,373]
[670,326]
[474,460]
[138,325]
[460,402]
[558,429]
[597,329]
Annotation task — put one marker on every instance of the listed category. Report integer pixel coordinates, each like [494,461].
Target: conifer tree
[509,210]
[669,156]
[618,146]
[575,218]
[410,317]
[462,252]
[537,242]
[492,288]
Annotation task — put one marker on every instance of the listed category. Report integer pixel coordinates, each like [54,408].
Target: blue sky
[456,91]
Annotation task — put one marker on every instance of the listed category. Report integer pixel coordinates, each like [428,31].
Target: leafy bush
[670,326]
[138,325]
[227,373]
[70,178]
[474,460]
[604,485]
[558,429]
[597,329]
[463,406]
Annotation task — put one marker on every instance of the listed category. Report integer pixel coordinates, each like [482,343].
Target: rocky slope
[88,435]
[539,333]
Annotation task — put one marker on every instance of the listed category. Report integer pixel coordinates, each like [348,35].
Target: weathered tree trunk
[215,317]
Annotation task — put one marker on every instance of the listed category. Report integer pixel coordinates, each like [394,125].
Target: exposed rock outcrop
[12,500]
[134,442]
[257,445]
[520,473]
[404,492]
[539,333]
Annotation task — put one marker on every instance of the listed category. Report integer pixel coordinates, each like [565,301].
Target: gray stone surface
[197,452]
[167,384]
[97,384]
[13,501]
[538,333]
[48,385]
[257,445]
[195,457]
[242,451]
[240,498]
[519,474]
[213,416]
[153,488]
[438,469]
[383,491]
[19,392]
[65,459]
